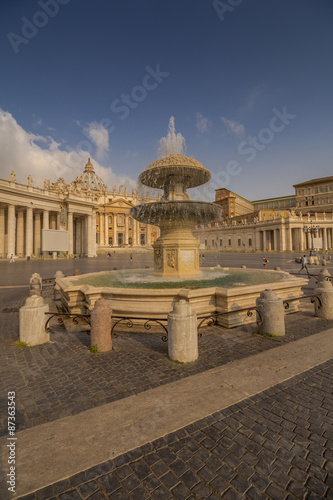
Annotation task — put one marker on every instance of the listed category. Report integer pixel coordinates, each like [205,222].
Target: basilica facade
[92,218]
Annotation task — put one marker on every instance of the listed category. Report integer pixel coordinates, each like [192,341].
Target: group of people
[304,263]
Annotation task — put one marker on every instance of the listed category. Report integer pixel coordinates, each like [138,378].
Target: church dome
[88,179]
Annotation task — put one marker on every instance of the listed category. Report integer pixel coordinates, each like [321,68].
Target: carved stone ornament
[158,258]
[12,176]
[171,259]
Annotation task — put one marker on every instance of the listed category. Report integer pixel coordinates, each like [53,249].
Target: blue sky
[249,83]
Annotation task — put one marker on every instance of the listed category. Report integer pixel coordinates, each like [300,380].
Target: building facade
[284,234]
[314,195]
[94,218]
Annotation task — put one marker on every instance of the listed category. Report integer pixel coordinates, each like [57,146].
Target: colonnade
[279,236]
[21,230]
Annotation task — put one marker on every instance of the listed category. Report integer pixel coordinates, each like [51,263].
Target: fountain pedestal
[176,254]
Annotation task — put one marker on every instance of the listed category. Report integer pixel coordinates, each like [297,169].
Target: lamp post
[311,230]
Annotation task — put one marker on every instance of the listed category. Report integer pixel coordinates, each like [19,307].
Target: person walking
[11,260]
[265,261]
[304,265]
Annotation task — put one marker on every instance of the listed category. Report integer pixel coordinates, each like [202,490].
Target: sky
[248,82]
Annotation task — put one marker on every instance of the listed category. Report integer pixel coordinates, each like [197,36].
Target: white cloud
[100,137]
[42,157]
[203,124]
[252,99]
[234,127]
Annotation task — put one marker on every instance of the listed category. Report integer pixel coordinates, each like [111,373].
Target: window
[221,243]
[229,242]
[213,243]
[130,221]
[239,242]
[120,219]
[110,220]
[250,242]
[205,243]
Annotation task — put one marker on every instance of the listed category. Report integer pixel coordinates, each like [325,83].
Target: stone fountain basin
[153,303]
[159,213]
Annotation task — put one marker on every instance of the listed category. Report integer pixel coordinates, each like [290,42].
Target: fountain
[176,251]
[176,275]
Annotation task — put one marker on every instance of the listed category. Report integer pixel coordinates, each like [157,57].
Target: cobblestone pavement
[64,378]
[276,445]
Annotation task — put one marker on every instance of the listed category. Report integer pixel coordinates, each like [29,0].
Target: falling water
[172,143]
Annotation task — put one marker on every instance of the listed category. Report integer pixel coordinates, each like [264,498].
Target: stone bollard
[316,260]
[323,275]
[277,268]
[243,267]
[35,284]
[101,322]
[272,312]
[310,261]
[77,272]
[32,321]
[182,333]
[323,262]
[57,293]
[324,292]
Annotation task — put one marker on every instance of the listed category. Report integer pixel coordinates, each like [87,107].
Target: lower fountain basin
[135,293]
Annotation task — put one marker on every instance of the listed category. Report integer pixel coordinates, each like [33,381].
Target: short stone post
[35,285]
[182,333]
[323,275]
[323,261]
[324,308]
[57,294]
[101,322]
[272,312]
[32,321]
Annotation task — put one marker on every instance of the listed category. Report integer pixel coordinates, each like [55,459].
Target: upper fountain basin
[174,212]
[176,168]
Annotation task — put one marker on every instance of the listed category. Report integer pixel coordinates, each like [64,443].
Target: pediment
[119,203]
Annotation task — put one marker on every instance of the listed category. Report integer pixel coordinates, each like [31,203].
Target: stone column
[301,235]
[89,236]
[289,239]
[58,220]
[126,229]
[101,229]
[46,219]
[283,238]
[106,230]
[70,233]
[37,228]
[78,247]
[324,238]
[11,230]
[2,232]
[94,232]
[84,231]
[256,239]
[29,232]
[114,237]
[20,232]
